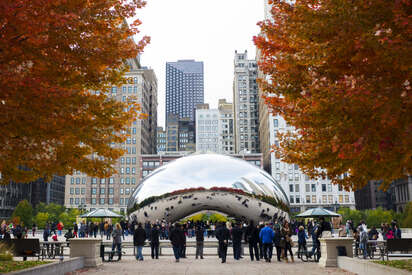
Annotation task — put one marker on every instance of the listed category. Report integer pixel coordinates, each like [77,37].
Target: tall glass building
[184,88]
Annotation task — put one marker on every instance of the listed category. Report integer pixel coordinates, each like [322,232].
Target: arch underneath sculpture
[175,207]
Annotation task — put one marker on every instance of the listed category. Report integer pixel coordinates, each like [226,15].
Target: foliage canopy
[340,72]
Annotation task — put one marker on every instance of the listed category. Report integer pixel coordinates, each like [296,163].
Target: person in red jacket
[60,228]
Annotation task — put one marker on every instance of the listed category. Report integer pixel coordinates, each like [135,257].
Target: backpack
[364,237]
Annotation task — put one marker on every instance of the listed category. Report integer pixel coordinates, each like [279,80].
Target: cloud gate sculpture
[208,182]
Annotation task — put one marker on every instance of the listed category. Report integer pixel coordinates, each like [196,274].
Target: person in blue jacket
[266,235]
[302,240]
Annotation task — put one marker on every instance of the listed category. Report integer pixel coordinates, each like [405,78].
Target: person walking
[117,241]
[223,235]
[33,229]
[301,240]
[139,238]
[154,241]
[177,241]
[237,241]
[252,238]
[200,237]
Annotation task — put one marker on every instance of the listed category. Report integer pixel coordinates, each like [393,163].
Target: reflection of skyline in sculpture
[206,171]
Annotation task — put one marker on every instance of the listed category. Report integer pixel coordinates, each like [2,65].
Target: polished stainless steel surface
[207,171]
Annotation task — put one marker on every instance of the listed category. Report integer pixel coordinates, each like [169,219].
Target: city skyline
[180,39]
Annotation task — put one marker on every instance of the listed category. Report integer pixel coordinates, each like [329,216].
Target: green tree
[41,219]
[407,221]
[24,211]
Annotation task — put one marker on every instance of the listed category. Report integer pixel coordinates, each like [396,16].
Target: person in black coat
[223,235]
[177,240]
[277,242]
[252,238]
[154,241]
[139,238]
[237,234]
[199,241]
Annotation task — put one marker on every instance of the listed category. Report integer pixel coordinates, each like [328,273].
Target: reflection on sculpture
[208,182]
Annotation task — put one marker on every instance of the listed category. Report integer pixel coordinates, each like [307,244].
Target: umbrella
[317,212]
[101,213]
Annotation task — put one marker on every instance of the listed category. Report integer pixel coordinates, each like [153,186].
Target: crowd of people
[261,238]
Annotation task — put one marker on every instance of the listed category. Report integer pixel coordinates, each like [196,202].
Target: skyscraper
[245,104]
[184,88]
[113,193]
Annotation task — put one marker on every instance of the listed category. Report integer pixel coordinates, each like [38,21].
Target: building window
[340,187]
[323,187]
[324,199]
[77,180]
[83,191]
[76,201]
[307,199]
[102,181]
[133,170]
[121,180]
[346,198]
[127,180]
[94,201]
[121,191]
[297,199]
[121,201]
[111,191]
[101,200]
[102,191]
[133,180]
[94,181]
[297,188]
[94,191]
[307,188]
[329,187]
[72,181]
[111,180]
[340,198]
[313,187]
[290,187]
[291,199]
[313,199]
[110,201]
[71,191]
[83,180]
[71,201]
[330,198]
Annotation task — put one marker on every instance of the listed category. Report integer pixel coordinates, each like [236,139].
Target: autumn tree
[52,54]
[339,71]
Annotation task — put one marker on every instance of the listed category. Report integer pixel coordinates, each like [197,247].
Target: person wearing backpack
[363,241]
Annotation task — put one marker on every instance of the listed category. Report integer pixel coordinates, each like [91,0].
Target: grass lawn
[9,266]
[401,264]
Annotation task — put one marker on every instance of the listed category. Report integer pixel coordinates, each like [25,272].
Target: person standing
[252,238]
[287,234]
[117,241]
[200,237]
[301,240]
[177,241]
[139,238]
[277,242]
[154,241]
[363,245]
[261,226]
[237,241]
[33,229]
[266,235]
[223,235]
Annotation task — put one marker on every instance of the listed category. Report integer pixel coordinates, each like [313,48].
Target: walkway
[208,266]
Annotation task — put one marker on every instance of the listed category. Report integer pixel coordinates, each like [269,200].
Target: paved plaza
[208,266]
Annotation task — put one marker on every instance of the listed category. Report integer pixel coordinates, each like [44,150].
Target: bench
[24,247]
[404,246]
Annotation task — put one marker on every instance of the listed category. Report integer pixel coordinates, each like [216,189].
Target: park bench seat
[24,247]
[404,246]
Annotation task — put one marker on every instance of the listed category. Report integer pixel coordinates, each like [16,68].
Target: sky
[204,30]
